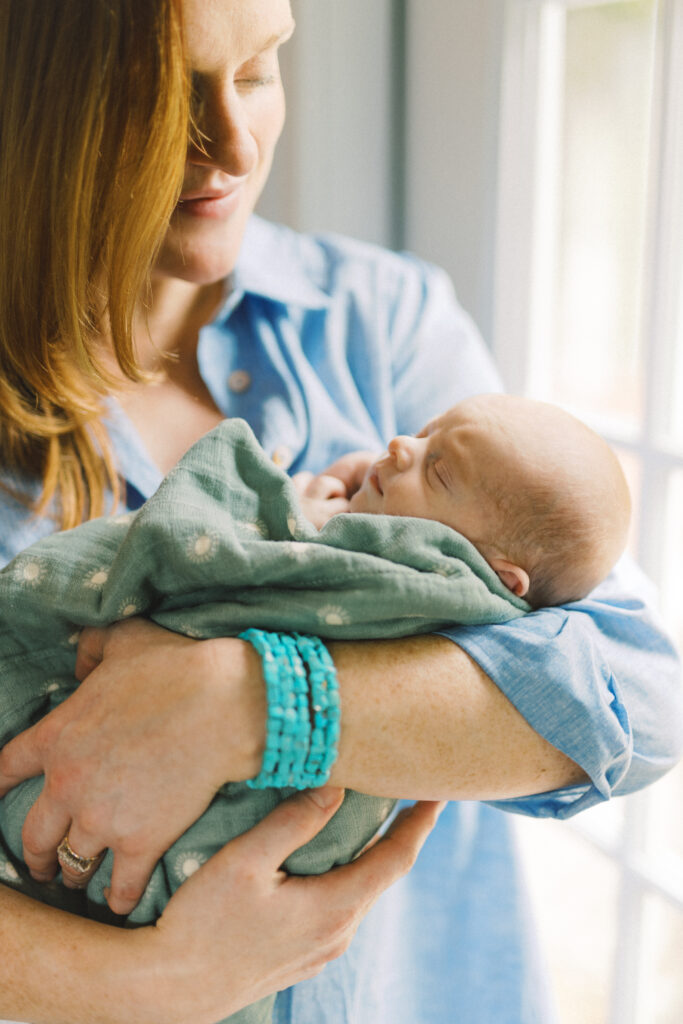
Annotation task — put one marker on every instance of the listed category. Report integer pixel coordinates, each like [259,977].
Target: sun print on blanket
[441,569]
[187,630]
[201,547]
[29,572]
[129,606]
[8,872]
[187,863]
[297,525]
[256,526]
[297,550]
[124,518]
[96,578]
[334,615]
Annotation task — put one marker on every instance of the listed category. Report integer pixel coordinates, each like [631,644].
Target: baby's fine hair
[561,545]
[564,509]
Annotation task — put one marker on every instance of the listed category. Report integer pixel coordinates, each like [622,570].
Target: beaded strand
[303,721]
[325,707]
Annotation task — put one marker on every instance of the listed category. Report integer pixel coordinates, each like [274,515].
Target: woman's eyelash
[253,82]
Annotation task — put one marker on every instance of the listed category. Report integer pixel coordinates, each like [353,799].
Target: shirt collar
[268,266]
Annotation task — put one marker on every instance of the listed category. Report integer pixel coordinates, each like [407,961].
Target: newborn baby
[539,494]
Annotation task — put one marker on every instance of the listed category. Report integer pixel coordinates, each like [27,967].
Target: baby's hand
[322,496]
[350,470]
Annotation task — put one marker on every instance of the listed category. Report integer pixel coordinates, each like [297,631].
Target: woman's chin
[201,252]
[199,267]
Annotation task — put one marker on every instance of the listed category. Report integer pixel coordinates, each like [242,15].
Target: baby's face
[433,475]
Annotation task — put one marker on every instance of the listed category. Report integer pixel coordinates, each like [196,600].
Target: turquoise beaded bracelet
[325,707]
[303,722]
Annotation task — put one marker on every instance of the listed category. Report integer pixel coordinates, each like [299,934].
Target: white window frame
[531,115]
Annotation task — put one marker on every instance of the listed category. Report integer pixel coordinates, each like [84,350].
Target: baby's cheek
[358,502]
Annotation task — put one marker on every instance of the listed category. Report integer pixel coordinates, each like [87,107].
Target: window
[589,314]
[535,149]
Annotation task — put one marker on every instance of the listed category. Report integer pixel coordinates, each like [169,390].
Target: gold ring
[68,858]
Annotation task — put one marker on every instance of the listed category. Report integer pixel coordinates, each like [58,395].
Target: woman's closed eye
[263,69]
[252,78]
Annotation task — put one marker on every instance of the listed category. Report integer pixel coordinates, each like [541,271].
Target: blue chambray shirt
[328,345]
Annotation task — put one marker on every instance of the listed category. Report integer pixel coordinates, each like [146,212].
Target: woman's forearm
[420,719]
[56,967]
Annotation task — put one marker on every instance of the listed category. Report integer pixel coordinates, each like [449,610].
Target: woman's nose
[226,138]
[401,451]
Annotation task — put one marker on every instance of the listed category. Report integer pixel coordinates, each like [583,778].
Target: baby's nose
[401,451]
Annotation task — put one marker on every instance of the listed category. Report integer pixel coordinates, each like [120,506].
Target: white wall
[392,130]
[453,60]
[333,167]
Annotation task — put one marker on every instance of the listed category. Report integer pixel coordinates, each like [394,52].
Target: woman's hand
[246,929]
[136,754]
[237,930]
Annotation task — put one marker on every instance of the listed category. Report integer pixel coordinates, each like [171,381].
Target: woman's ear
[513,576]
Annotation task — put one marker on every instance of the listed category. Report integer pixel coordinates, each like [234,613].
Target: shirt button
[282,456]
[239,381]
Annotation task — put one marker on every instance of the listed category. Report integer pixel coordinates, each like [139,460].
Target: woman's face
[240,110]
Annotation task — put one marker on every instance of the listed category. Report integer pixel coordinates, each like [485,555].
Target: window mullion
[531,93]
[662,278]
[626,973]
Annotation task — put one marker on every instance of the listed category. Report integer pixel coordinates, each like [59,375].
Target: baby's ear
[513,576]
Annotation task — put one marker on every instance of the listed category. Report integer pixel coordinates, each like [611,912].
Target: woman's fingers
[20,759]
[291,824]
[129,878]
[290,926]
[385,861]
[90,651]
[77,866]
[45,826]
[130,767]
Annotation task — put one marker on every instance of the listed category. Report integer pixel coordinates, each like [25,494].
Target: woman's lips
[217,205]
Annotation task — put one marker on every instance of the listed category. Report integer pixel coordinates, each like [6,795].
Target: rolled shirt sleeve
[600,681]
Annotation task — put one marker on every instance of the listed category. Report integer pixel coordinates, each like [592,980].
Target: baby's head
[541,496]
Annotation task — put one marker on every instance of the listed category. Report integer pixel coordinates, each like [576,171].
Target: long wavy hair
[94,113]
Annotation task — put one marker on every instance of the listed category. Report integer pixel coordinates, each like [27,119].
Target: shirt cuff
[552,667]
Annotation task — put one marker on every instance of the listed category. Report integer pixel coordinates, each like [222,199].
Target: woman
[94,126]
[323,346]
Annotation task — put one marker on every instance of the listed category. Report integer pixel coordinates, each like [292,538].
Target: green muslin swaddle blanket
[220,547]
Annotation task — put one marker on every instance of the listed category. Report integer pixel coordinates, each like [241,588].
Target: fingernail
[326,796]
